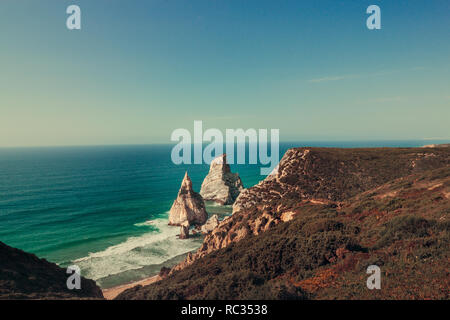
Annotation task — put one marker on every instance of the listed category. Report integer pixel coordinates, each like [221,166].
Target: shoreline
[111,293]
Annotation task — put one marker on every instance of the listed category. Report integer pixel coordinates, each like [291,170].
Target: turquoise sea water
[105,208]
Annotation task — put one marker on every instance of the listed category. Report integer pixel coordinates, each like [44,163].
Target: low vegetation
[323,253]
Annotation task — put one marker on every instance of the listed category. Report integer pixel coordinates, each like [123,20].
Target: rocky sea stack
[184,230]
[188,206]
[221,185]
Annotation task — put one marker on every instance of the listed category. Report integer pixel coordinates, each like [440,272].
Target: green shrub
[404,227]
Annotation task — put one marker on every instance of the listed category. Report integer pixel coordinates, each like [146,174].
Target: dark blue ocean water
[105,208]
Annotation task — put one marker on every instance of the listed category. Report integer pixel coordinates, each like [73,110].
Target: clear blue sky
[140,69]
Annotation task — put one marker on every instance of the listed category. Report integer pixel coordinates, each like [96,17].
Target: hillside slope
[25,276]
[315,225]
[323,252]
[318,175]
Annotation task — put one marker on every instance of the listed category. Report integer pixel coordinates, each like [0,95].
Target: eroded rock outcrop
[188,206]
[331,175]
[443,145]
[184,230]
[314,176]
[221,185]
[209,226]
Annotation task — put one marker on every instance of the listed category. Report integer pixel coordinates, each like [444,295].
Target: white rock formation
[188,206]
[221,185]
[184,231]
[209,226]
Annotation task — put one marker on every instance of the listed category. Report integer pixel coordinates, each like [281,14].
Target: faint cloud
[351,76]
[381,100]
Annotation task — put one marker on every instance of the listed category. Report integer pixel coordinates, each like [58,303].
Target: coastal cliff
[322,176]
[25,276]
[321,217]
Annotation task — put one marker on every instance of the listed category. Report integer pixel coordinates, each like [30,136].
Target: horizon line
[207,143]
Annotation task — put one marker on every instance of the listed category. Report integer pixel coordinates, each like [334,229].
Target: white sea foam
[151,248]
[215,204]
[144,224]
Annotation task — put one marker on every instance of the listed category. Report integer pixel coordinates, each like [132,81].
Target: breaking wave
[153,248]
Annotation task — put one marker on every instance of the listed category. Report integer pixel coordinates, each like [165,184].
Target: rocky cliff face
[210,225]
[188,206]
[25,276]
[332,175]
[323,251]
[320,176]
[221,185]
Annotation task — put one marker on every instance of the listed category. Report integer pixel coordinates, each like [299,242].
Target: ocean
[105,208]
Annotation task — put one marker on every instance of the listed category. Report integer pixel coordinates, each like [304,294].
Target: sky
[137,70]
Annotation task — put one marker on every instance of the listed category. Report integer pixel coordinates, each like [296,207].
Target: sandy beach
[111,293]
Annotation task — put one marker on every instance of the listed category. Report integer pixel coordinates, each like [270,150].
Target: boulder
[221,185]
[188,206]
[209,226]
[184,231]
